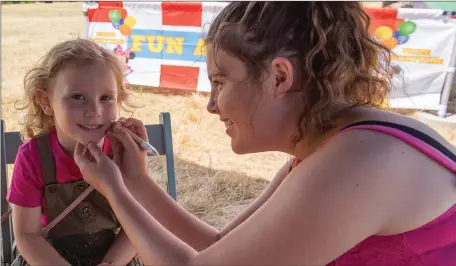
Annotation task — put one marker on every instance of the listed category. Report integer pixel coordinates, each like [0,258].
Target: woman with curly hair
[365,186]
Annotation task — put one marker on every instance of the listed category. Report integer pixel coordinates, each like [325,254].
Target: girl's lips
[90,127]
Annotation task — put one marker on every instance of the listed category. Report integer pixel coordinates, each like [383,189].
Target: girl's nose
[93,110]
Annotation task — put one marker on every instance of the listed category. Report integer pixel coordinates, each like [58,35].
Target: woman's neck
[310,143]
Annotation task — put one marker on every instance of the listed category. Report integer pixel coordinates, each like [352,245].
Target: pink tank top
[432,244]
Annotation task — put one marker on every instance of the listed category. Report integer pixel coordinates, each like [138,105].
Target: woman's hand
[97,169]
[128,156]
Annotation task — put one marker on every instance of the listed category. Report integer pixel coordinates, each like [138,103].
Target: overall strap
[46,156]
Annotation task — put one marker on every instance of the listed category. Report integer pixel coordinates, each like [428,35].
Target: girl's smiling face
[83,101]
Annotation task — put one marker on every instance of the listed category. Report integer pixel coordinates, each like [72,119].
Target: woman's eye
[217,84]
[105,98]
[77,97]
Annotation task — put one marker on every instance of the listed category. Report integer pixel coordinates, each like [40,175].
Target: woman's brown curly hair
[328,43]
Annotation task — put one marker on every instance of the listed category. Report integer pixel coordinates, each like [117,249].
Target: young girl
[72,96]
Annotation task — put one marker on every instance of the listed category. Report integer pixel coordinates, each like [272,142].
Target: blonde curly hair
[41,76]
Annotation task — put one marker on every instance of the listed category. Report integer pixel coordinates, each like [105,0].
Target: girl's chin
[85,141]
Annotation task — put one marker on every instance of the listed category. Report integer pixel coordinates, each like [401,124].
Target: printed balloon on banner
[116,25]
[130,21]
[401,39]
[384,33]
[391,39]
[121,21]
[391,43]
[396,35]
[407,28]
[124,29]
[114,16]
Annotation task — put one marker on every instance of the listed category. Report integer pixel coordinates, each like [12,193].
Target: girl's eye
[77,97]
[105,98]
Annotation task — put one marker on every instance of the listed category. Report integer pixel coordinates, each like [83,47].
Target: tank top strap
[411,136]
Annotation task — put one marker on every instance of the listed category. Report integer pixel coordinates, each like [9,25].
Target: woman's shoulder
[381,148]
[390,170]
[399,122]
[358,160]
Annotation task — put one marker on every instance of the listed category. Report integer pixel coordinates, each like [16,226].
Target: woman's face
[256,116]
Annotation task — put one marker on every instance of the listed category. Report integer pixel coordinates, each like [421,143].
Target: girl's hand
[97,169]
[128,156]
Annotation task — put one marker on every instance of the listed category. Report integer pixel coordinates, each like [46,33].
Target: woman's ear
[283,71]
[44,101]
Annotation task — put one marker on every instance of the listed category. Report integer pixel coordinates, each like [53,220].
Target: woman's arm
[185,225]
[157,202]
[121,252]
[30,243]
[316,215]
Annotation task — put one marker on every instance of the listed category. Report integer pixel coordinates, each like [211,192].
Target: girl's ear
[44,101]
[120,102]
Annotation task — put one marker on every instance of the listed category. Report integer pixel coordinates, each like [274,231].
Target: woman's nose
[212,106]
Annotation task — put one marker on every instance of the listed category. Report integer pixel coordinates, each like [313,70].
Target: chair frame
[160,136]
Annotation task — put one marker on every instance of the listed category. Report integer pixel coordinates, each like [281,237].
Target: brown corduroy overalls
[84,236]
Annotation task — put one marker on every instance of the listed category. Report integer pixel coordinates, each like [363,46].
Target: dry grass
[213,182]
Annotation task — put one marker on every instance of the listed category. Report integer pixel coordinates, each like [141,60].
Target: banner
[161,42]
[162,45]
[423,42]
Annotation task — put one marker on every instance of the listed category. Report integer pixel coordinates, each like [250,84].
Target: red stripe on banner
[179,77]
[182,14]
[101,14]
[110,4]
[383,17]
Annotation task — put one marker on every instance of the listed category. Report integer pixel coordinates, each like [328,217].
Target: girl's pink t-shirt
[27,183]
